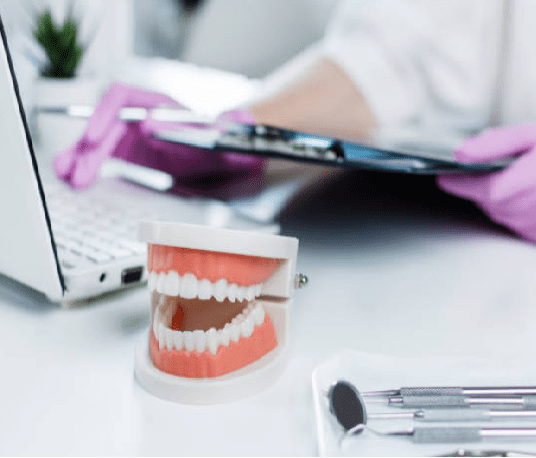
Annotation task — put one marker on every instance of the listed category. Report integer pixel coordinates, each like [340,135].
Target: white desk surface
[390,272]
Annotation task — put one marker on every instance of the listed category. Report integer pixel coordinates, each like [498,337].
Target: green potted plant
[60,81]
[61,44]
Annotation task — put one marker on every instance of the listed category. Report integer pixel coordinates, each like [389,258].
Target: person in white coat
[459,65]
[462,65]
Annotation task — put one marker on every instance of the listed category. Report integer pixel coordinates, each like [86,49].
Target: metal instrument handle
[455,391]
[428,401]
[432,391]
[446,435]
[419,402]
[453,415]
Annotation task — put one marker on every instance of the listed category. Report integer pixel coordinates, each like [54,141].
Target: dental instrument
[445,396]
[444,435]
[436,401]
[466,452]
[346,400]
[454,391]
[347,405]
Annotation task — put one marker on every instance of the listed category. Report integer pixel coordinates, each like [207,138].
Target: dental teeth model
[220,303]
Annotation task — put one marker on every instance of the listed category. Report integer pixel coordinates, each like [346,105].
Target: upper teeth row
[241,326]
[189,287]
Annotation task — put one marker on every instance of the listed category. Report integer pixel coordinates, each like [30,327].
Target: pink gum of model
[212,265]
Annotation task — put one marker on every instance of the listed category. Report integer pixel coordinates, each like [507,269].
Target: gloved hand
[106,135]
[508,197]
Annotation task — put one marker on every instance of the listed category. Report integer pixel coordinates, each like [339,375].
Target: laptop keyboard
[88,232]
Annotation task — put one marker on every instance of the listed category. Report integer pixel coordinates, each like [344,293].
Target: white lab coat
[449,64]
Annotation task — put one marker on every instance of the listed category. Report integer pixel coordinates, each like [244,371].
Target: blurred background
[234,37]
[250,38]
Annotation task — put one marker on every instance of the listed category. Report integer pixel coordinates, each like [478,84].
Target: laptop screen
[27,249]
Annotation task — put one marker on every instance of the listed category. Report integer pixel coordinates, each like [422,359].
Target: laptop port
[132,275]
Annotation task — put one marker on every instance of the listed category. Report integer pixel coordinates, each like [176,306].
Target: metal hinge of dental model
[300,281]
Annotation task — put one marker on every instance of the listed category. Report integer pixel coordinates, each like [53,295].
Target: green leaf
[60,43]
[45,27]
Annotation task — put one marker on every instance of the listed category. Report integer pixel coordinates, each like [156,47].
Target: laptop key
[92,254]
[99,256]
[135,246]
[70,260]
[109,247]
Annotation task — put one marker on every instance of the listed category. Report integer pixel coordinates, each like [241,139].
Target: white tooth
[250,293]
[240,293]
[234,332]
[246,327]
[200,340]
[223,335]
[171,287]
[152,280]
[258,290]
[258,314]
[231,292]
[163,314]
[156,320]
[189,286]
[212,340]
[169,339]
[172,310]
[237,319]
[161,336]
[220,290]
[204,289]
[188,340]
[178,340]
[160,282]
[251,306]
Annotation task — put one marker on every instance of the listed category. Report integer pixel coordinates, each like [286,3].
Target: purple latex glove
[106,136]
[508,197]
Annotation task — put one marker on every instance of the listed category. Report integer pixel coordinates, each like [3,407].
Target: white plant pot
[53,133]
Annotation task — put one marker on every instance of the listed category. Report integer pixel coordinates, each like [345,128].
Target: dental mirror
[346,404]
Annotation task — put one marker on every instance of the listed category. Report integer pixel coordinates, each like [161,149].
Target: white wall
[243,36]
[255,37]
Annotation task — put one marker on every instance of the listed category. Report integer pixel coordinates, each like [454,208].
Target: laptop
[70,245]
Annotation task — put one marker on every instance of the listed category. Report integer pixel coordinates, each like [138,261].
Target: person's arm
[324,101]
[388,64]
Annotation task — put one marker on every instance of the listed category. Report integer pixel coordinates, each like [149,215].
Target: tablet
[408,151]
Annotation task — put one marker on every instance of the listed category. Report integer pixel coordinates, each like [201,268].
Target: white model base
[238,384]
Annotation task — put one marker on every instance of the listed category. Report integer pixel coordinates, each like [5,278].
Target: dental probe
[457,434]
[454,391]
[132,114]
[438,415]
[461,401]
[493,452]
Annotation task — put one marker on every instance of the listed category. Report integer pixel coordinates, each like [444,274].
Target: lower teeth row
[240,326]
